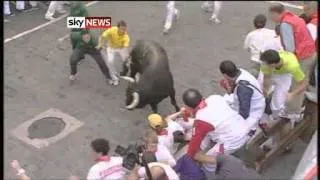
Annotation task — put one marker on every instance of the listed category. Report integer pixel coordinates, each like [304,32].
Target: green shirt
[78,9]
[290,66]
[77,38]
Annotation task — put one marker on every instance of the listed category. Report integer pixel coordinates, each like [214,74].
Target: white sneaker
[72,77]
[215,20]
[116,82]
[165,31]
[50,18]
[110,81]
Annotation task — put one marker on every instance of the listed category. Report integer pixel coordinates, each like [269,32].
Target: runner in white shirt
[255,42]
[165,130]
[106,167]
[275,42]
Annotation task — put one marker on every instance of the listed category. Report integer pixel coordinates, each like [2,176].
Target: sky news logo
[89,22]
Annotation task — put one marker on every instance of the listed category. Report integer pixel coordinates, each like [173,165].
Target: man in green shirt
[85,43]
[78,9]
[278,69]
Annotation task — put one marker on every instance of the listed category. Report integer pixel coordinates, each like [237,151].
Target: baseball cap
[155,120]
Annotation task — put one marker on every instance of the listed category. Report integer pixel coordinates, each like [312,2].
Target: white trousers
[20,5]
[171,12]
[109,58]
[215,5]
[282,84]
[53,7]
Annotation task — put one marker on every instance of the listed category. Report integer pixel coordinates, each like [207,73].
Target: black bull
[155,83]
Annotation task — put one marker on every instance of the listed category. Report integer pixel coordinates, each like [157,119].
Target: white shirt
[274,44]
[106,170]
[257,103]
[168,140]
[255,41]
[230,128]
[313,30]
[171,174]
[163,155]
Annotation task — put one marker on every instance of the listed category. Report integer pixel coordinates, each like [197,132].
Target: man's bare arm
[203,158]
[301,86]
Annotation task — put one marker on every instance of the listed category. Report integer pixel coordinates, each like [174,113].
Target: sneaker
[116,82]
[165,31]
[215,20]
[110,81]
[50,18]
[31,9]
[72,77]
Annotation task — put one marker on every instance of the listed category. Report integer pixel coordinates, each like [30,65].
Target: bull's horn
[135,102]
[130,79]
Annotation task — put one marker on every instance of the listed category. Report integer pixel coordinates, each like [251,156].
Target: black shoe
[29,9]
[123,73]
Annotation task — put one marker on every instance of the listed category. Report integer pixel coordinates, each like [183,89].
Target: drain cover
[46,128]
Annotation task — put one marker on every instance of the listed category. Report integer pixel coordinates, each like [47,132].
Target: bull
[149,60]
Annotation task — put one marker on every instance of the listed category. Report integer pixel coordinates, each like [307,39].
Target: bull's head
[132,96]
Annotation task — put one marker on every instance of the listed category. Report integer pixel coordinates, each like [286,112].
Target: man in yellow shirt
[118,42]
[278,69]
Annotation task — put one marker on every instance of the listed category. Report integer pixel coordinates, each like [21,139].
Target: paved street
[37,68]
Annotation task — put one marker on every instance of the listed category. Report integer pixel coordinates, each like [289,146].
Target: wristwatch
[21,171]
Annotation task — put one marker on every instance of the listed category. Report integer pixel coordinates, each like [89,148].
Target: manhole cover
[45,128]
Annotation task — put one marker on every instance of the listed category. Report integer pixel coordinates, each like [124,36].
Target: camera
[130,155]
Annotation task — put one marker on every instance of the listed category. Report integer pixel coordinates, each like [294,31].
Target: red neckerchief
[189,113]
[201,105]
[163,132]
[103,158]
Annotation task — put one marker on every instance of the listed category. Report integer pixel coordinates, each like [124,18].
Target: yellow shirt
[290,65]
[114,39]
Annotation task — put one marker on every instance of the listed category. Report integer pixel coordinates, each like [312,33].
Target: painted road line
[42,25]
[287,4]
[63,38]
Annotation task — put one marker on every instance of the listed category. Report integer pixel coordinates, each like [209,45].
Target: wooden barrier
[259,159]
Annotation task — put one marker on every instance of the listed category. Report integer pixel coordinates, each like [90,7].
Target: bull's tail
[173,100]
